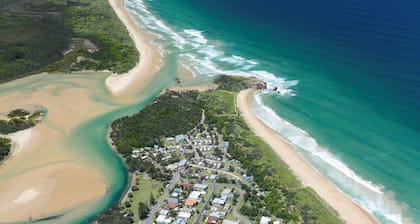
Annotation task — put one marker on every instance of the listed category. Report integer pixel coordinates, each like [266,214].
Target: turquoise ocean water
[347,78]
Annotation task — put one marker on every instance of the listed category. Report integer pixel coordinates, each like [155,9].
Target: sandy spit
[148,63]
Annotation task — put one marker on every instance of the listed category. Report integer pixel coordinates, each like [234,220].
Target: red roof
[190,202]
[211,220]
[186,186]
[172,205]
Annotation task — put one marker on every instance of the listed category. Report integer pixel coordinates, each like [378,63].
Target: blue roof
[180,221]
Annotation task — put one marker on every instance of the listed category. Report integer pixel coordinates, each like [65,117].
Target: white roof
[226,191]
[219,201]
[168,220]
[164,212]
[200,186]
[226,221]
[194,195]
[184,215]
[265,220]
[161,218]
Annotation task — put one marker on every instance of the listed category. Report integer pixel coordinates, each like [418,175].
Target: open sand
[20,140]
[346,208]
[149,57]
[46,175]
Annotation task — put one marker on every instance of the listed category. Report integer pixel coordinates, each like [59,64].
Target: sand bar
[346,208]
[149,57]
[20,140]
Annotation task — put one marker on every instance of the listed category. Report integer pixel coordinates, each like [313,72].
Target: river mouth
[58,171]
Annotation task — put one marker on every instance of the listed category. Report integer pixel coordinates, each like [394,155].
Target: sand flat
[346,208]
[49,176]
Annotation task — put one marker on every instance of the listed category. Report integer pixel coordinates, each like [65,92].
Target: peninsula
[201,139]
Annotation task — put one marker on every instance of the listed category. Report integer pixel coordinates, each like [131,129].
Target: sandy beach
[149,57]
[20,140]
[346,208]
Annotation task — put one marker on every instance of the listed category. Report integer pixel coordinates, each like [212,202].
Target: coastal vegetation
[19,120]
[16,120]
[51,35]
[170,114]
[5,145]
[175,113]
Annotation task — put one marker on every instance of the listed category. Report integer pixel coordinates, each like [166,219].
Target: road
[175,179]
[235,212]
[220,171]
[214,187]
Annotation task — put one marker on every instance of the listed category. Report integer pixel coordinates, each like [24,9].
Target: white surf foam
[201,56]
[367,194]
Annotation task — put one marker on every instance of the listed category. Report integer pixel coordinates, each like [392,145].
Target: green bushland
[168,115]
[5,147]
[34,35]
[19,120]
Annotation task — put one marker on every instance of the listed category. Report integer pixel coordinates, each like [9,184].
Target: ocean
[346,74]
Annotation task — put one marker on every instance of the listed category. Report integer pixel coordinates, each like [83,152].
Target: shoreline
[337,199]
[148,63]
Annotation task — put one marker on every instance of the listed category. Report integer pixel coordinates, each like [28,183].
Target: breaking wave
[200,55]
[370,196]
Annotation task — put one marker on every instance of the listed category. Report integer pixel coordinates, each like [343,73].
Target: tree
[143,210]
[152,199]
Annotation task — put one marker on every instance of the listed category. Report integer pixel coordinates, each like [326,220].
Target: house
[182,163]
[200,187]
[226,192]
[213,177]
[180,221]
[190,202]
[265,220]
[160,219]
[194,195]
[215,215]
[175,195]
[186,186]
[178,190]
[184,215]
[164,212]
[171,205]
[172,167]
[226,221]
[170,140]
[219,201]
[211,220]
[168,220]
[135,154]
[173,200]
[179,138]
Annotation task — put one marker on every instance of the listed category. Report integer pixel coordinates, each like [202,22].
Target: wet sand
[46,176]
[148,63]
[346,208]
[43,177]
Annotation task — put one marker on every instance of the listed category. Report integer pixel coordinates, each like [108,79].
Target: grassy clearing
[145,189]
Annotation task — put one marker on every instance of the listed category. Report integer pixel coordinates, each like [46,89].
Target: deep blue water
[349,77]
